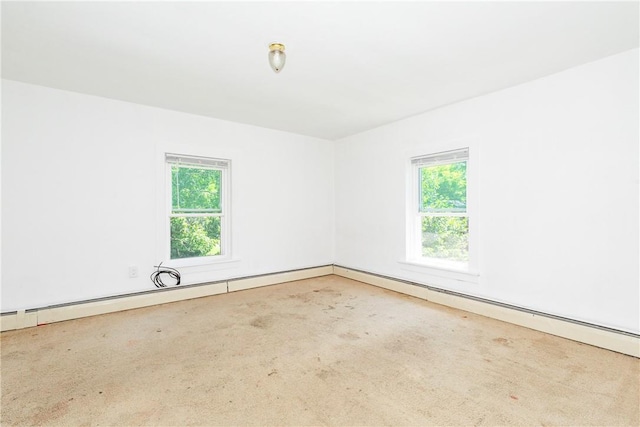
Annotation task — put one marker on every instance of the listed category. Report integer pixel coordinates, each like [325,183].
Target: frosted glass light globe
[277,57]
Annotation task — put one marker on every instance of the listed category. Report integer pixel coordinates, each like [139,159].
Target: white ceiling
[351,66]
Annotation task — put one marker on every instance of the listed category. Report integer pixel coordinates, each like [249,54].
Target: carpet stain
[350,336]
[209,366]
[56,411]
[262,322]
[502,341]
[323,374]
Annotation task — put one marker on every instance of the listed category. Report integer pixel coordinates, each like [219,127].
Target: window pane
[195,236]
[443,188]
[195,189]
[445,237]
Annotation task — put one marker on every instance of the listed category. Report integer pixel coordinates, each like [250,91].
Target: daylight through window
[198,213]
[441,219]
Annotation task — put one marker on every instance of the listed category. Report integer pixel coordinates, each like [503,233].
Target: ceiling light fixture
[277,57]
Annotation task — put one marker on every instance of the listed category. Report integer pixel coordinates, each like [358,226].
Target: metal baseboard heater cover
[588,333]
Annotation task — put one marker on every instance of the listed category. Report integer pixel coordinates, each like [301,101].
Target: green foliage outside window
[445,237]
[443,194]
[443,188]
[195,191]
[195,237]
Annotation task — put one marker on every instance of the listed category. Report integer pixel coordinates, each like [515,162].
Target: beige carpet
[326,351]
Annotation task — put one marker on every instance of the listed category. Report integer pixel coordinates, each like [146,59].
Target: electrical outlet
[133,271]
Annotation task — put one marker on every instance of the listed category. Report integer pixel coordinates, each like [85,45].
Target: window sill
[208,263]
[419,266]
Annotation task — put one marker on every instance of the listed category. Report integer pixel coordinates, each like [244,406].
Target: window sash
[437,159]
[214,209]
[418,178]
[221,211]
[195,215]
[198,162]
[196,211]
[437,214]
[441,158]
[442,210]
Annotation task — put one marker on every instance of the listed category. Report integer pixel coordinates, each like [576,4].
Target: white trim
[272,279]
[218,262]
[19,320]
[44,315]
[443,213]
[224,166]
[75,311]
[199,162]
[592,335]
[442,158]
[418,266]
[469,151]
[196,215]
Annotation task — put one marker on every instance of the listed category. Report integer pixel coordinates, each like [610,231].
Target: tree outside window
[442,217]
[197,212]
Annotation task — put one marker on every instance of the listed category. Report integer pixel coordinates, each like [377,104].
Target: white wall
[82,180]
[557,192]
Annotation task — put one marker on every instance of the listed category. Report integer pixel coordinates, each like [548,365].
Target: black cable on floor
[156,276]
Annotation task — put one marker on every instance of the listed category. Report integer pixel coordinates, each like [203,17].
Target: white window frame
[444,155]
[224,165]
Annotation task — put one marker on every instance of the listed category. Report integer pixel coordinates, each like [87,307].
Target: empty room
[320,213]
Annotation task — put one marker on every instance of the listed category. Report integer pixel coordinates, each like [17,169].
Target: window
[198,219]
[440,220]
